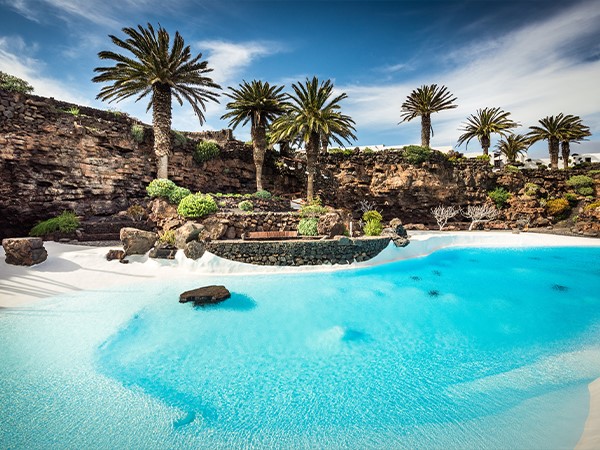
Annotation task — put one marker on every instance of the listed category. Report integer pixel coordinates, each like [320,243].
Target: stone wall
[236,224]
[341,250]
[52,160]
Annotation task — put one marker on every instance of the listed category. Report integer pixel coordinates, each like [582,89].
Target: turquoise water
[461,349]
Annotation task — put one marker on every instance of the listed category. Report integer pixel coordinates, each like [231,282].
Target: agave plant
[313,111]
[513,145]
[485,122]
[423,102]
[162,71]
[553,129]
[258,103]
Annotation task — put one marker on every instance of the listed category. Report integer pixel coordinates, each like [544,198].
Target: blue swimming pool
[464,348]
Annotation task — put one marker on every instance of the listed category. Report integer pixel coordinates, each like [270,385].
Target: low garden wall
[341,250]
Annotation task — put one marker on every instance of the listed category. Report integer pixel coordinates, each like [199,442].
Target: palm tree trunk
[553,150]
[324,143]
[259,147]
[566,152]
[161,123]
[425,130]
[284,148]
[485,144]
[312,153]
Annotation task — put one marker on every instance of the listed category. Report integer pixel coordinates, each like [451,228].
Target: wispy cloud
[14,60]
[541,69]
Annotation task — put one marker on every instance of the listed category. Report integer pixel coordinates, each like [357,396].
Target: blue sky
[533,58]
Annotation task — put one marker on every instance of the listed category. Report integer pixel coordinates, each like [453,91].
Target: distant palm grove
[154,66]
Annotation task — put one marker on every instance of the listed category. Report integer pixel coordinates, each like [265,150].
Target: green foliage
[205,151]
[483,158]
[115,112]
[168,237]
[368,150]
[263,195]
[196,205]
[136,212]
[415,154]
[572,199]
[531,189]
[577,181]
[246,205]
[177,194]
[73,110]
[340,151]
[585,190]
[14,84]
[372,215]
[511,168]
[67,222]
[592,206]
[308,211]
[593,172]
[499,196]
[179,138]
[308,226]
[373,228]
[558,208]
[137,133]
[161,187]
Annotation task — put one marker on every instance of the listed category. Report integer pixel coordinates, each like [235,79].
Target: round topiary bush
[585,190]
[415,154]
[161,187]
[372,215]
[308,226]
[205,151]
[373,228]
[264,195]
[246,205]
[196,205]
[558,208]
[177,194]
[578,181]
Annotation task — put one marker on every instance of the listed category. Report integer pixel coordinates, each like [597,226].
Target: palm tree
[575,131]
[161,71]
[424,101]
[485,122]
[553,129]
[258,103]
[313,112]
[513,145]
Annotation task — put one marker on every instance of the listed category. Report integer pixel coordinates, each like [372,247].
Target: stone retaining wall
[341,250]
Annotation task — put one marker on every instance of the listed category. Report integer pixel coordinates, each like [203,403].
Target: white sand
[78,268]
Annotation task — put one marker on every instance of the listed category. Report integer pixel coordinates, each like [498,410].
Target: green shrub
[308,226]
[312,211]
[13,84]
[246,205]
[415,154]
[483,158]
[531,189]
[340,151]
[205,151]
[264,195]
[73,110]
[179,138]
[592,206]
[137,133]
[161,187]
[580,181]
[571,198]
[196,205]
[510,168]
[593,172]
[368,150]
[585,190]
[177,194]
[558,208]
[373,228]
[67,222]
[499,196]
[168,237]
[372,215]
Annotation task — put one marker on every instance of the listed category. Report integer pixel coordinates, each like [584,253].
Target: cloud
[14,60]
[541,69]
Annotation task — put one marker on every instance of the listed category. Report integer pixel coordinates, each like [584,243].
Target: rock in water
[206,295]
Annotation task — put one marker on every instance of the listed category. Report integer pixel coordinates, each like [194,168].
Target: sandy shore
[78,268]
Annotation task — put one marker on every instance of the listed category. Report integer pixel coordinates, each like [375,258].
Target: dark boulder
[206,295]
[24,251]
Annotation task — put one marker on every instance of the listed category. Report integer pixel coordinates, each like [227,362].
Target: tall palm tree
[485,122]
[575,131]
[313,111]
[258,103]
[551,129]
[155,68]
[424,101]
[513,145]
